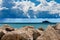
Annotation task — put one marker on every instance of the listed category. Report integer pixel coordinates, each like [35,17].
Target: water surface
[36,25]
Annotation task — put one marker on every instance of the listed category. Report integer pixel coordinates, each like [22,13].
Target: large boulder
[7,28]
[41,29]
[57,27]
[2,33]
[36,34]
[31,31]
[49,34]
[10,36]
[15,36]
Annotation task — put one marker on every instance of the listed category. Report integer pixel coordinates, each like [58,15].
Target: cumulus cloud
[55,7]
[52,7]
[0,1]
[2,8]
[24,6]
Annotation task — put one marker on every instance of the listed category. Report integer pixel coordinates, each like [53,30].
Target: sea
[35,25]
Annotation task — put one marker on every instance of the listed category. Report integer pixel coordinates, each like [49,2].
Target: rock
[36,34]
[10,36]
[41,29]
[30,31]
[2,33]
[15,36]
[49,34]
[57,27]
[25,37]
[7,28]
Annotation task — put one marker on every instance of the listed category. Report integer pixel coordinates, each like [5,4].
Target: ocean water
[36,25]
[37,20]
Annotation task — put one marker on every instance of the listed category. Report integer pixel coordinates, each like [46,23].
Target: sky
[30,9]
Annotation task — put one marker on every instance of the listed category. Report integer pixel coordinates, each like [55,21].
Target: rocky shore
[30,33]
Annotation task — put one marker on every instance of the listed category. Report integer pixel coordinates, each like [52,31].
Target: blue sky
[30,9]
[36,2]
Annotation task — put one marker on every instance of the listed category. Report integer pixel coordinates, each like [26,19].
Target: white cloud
[28,15]
[54,7]
[3,8]
[24,6]
[51,6]
[0,1]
